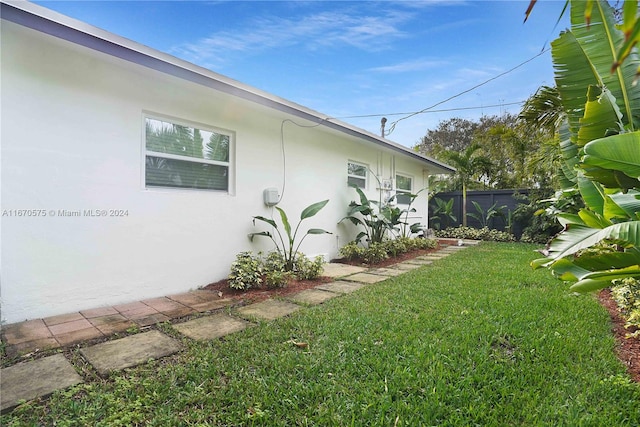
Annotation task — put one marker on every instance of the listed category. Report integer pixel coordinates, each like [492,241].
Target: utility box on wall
[271,197]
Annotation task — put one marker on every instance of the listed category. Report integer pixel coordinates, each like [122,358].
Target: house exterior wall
[72,145]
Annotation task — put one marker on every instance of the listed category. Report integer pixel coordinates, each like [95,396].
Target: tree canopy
[519,153]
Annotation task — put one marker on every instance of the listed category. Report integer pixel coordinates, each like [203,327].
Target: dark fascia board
[55,24]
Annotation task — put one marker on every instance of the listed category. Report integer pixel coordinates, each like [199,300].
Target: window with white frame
[180,155]
[357,174]
[404,188]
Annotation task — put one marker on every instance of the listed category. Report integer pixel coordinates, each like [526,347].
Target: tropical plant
[485,217]
[601,149]
[442,214]
[469,164]
[289,247]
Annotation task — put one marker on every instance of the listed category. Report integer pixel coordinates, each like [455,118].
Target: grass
[477,338]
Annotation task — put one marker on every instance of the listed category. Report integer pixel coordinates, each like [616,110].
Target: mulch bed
[627,349]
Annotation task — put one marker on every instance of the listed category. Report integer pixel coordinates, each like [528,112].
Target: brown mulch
[627,349]
[259,294]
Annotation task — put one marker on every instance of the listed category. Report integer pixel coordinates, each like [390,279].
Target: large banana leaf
[574,73]
[601,116]
[576,238]
[629,203]
[600,39]
[616,153]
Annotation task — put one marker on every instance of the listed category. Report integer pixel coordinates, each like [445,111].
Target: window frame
[399,191]
[229,164]
[365,177]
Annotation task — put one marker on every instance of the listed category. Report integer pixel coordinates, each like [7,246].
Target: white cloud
[407,66]
[331,29]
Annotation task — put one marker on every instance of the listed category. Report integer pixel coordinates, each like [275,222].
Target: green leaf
[576,237]
[600,41]
[592,193]
[285,222]
[262,233]
[589,285]
[313,209]
[593,219]
[607,260]
[618,152]
[628,202]
[267,220]
[318,231]
[601,116]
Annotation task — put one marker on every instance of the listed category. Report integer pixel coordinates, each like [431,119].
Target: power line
[430,111]
[393,125]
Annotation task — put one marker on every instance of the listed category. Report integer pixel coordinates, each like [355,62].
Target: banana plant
[288,248]
[375,220]
[601,148]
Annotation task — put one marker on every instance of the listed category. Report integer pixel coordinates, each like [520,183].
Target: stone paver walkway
[40,377]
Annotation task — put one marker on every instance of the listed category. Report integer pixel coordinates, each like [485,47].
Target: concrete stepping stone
[389,272]
[335,269]
[419,262]
[432,257]
[269,309]
[405,266]
[340,286]
[312,296]
[129,351]
[367,278]
[36,378]
[211,327]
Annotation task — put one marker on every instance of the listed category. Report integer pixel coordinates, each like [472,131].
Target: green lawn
[478,338]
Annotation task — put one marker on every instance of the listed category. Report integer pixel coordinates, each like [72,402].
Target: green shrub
[306,269]
[351,251]
[395,247]
[374,254]
[377,252]
[275,274]
[475,234]
[252,271]
[626,293]
[246,271]
[421,243]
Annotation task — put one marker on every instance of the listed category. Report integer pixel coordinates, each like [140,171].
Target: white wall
[72,123]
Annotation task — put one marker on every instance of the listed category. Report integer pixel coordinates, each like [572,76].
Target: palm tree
[469,164]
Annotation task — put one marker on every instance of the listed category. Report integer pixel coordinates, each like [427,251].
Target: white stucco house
[100,207]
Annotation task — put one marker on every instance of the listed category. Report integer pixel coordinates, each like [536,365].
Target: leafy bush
[422,244]
[351,251]
[538,217]
[475,234]
[306,269]
[626,293]
[275,274]
[395,247]
[246,271]
[251,270]
[375,253]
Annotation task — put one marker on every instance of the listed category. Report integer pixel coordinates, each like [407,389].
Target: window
[404,188]
[357,174]
[182,156]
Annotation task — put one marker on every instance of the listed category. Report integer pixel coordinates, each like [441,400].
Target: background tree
[470,164]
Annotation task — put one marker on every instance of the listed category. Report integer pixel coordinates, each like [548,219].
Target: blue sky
[357,58]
